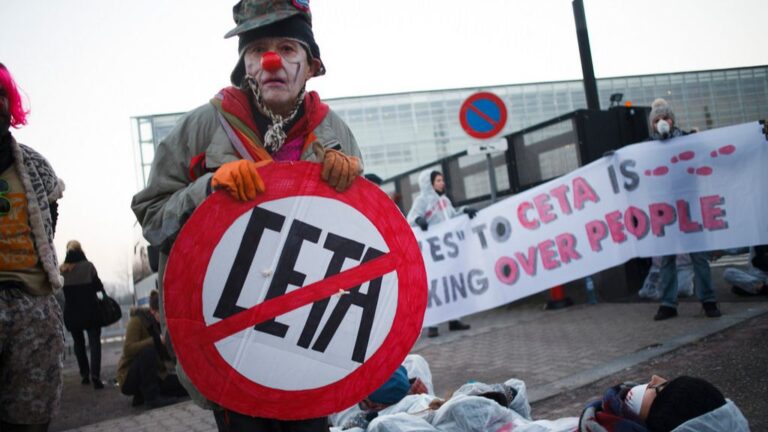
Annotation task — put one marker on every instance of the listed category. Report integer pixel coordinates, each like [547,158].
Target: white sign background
[462,268]
[278,362]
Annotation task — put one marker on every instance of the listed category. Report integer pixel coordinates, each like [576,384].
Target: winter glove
[469,211]
[422,223]
[339,170]
[240,178]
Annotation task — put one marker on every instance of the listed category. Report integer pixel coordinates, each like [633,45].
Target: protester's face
[280,87]
[5,112]
[655,386]
[439,184]
[666,118]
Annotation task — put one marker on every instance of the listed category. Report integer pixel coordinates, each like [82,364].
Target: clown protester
[266,115]
[431,207]
[31,324]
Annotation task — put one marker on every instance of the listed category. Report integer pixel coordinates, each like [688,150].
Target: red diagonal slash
[295,299]
[485,117]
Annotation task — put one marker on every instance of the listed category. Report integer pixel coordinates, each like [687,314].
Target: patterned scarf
[234,105]
[611,413]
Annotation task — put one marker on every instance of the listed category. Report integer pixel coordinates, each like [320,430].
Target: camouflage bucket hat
[252,14]
[272,18]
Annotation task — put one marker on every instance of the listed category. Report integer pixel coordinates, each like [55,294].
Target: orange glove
[240,178]
[339,170]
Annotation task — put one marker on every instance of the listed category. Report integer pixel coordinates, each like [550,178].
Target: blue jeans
[702,279]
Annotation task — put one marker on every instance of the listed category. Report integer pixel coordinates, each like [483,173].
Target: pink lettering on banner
[615,226]
[544,208]
[522,209]
[548,256]
[596,232]
[582,192]
[662,214]
[636,222]
[507,271]
[711,213]
[562,199]
[528,262]
[684,214]
[566,247]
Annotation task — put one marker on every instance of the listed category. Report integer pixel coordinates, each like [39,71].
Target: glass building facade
[399,132]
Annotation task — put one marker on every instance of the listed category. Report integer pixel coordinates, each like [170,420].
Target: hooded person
[81,287]
[266,115]
[661,121]
[684,404]
[663,126]
[431,207]
[31,327]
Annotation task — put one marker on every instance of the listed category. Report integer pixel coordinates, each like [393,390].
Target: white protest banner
[699,192]
[296,304]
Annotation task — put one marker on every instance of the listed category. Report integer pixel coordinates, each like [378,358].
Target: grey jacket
[42,187]
[171,196]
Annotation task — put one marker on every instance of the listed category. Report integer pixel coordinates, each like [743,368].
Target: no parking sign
[299,303]
[483,115]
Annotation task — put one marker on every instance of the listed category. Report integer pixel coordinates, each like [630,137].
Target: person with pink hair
[31,325]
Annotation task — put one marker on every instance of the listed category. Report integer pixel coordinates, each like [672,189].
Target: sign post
[299,303]
[482,116]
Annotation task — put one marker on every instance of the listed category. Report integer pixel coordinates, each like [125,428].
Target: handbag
[108,310]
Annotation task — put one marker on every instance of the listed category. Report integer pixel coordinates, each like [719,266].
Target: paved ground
[566,357]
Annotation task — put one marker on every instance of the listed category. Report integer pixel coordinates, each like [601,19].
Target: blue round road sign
[483,115]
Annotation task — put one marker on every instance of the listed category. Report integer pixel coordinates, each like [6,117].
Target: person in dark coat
[142,371]
[81,286]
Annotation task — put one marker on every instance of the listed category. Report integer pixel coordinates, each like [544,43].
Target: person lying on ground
[683,404]
[401,405]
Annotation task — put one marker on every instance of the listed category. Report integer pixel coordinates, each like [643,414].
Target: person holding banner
[662,124]
[267,114]
[433,206]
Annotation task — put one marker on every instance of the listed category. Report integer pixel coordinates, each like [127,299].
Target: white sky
[87,66]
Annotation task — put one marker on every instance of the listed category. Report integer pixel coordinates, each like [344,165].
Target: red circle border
[187,266]
[465,123]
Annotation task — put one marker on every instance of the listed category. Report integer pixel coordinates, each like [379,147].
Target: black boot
[665,312]
[711,310]
[457,325]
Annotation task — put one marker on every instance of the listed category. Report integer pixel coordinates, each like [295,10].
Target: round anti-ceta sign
[299,303]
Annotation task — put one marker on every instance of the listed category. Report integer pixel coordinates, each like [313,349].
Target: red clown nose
[271,61]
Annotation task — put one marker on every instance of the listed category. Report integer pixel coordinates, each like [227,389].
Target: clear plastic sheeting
[400,422]
[726,418]
[417,367]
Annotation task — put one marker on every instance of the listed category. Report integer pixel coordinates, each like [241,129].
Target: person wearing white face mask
[683,404]
[662,124]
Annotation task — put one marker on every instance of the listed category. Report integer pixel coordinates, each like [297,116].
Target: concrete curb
[539,393]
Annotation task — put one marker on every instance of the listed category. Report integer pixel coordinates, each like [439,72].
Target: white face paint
[279,88]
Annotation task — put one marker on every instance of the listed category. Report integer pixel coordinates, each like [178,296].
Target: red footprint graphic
[702,171]
[684,156]
[724,150]
[658,171]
